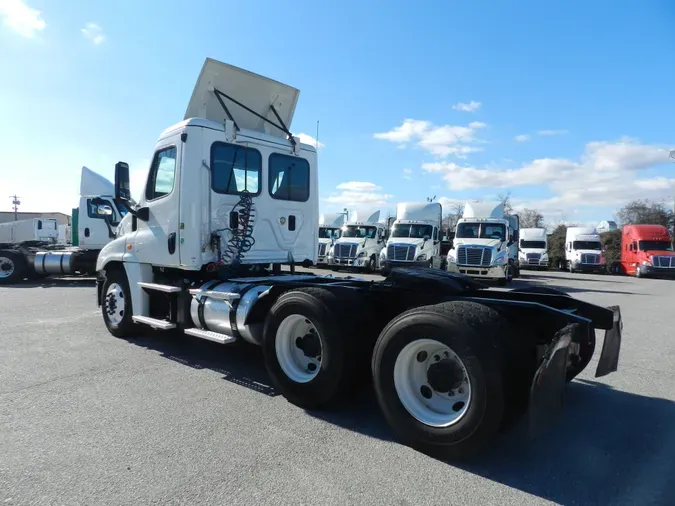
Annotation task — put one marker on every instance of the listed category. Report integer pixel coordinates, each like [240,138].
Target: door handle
[172,243]
[86,232]
[291,223]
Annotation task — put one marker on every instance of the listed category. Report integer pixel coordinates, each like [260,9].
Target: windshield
[413,231]
[360,232]
[533,244]
[481,231]
[329,233]
[655,246]
[587,245]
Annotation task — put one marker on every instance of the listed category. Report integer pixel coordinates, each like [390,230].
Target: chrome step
[154,322]
[211,336]
[159,288]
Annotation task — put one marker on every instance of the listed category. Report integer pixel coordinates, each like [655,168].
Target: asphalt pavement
[89,419]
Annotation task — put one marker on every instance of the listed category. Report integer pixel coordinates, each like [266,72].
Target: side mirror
[427,237]
[122,188]
[104,210]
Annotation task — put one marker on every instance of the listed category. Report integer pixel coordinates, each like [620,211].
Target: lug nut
[426,392]
[422,356]
[311,367]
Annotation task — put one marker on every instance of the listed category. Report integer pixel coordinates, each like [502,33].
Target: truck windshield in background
[533,244]
[595,245]
[412,231]
[655,246]
[329,233]
[360,232]
[481,231]
[123,209]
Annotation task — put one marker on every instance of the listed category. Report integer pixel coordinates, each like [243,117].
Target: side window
[635,246]
[162,174]
[288,178]
[91,209]
[435,233]
[235,169]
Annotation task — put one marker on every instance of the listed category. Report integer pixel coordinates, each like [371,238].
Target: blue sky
[569,106]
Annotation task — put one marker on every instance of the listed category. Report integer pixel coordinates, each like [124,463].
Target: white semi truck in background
[330,230]
[583,250]
[45,252]
[486,243]
[360,244]
[230,202]
[533,249]
[414,237]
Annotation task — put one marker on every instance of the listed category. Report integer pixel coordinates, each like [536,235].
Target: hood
[407,240]
[587,252]
[324,240]
[492,243]
[525,251]
[656,253]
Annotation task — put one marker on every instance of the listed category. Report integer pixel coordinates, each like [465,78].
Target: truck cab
[360,244]
[583,250]
[647,251]
[414,237]
[486,243]
[330,230]
[532,248]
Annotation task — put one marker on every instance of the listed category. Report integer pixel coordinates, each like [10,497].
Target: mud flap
[548,385]
[609,358]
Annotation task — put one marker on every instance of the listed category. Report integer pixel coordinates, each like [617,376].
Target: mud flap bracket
[609,358]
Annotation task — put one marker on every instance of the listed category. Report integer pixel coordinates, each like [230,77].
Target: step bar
[159,288]
[211,336]
[154,322]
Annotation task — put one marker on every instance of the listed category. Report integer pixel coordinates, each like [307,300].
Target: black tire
[480,336]
[638,272]
[372,265]
[126,327]
[17,263]
[337,321]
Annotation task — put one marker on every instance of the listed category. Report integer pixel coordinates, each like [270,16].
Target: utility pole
[16,203]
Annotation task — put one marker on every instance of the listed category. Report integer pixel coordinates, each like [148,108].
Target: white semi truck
[583,250]
[330,230]
[414,237]
[44,253]
[232,197]
[486,243]
[360,244]
[533,249]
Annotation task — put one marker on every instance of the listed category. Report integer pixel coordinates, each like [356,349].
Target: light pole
[16,203]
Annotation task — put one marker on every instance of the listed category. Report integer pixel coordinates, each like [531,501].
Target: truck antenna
[317,135]
[15,203]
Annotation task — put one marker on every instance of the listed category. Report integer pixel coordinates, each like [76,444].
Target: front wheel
[12,267]
[116,304]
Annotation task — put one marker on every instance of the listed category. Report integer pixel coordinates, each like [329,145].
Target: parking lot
[89,419]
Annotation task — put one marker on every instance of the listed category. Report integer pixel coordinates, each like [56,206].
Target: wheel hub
[6,267]
[310,344]
[445,375]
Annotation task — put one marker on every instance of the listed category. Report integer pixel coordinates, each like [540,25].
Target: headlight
[383,254]
[646,263]
[422,257]
[451,259]
[361,255]
[500,260]
[544,256]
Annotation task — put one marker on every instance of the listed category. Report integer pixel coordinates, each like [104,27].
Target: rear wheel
[12,267]
[308,341]
[439,373]
[116,304]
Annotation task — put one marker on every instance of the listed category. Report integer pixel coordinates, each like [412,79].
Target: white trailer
[533,249]
[330,230]
[360,244]
[486,243]
[228,203]
[35,253]
[414,237]
[583,250]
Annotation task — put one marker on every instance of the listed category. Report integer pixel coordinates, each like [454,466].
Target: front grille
[533,258]
[667,262]
[322,249]
[474,255]
[401,252]
[590,258]
[345,250]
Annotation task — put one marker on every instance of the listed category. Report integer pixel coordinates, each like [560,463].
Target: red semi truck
[647,251]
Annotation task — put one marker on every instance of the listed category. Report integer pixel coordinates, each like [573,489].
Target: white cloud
[308,139]
[441,141]
[467,107]
[552,132]
[521,138]
[407,174]
[21,18]
[94,33]
[359,194]
[606,175]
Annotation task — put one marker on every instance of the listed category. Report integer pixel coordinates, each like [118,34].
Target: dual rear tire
[441,373]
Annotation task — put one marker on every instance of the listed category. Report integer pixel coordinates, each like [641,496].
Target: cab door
[156,240]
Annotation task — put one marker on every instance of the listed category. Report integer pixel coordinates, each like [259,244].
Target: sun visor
[240,89]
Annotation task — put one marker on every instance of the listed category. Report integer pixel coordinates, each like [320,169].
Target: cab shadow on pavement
[57,283]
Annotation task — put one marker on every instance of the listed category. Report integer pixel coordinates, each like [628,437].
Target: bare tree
[450,218]
[505,198]
[531,218]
